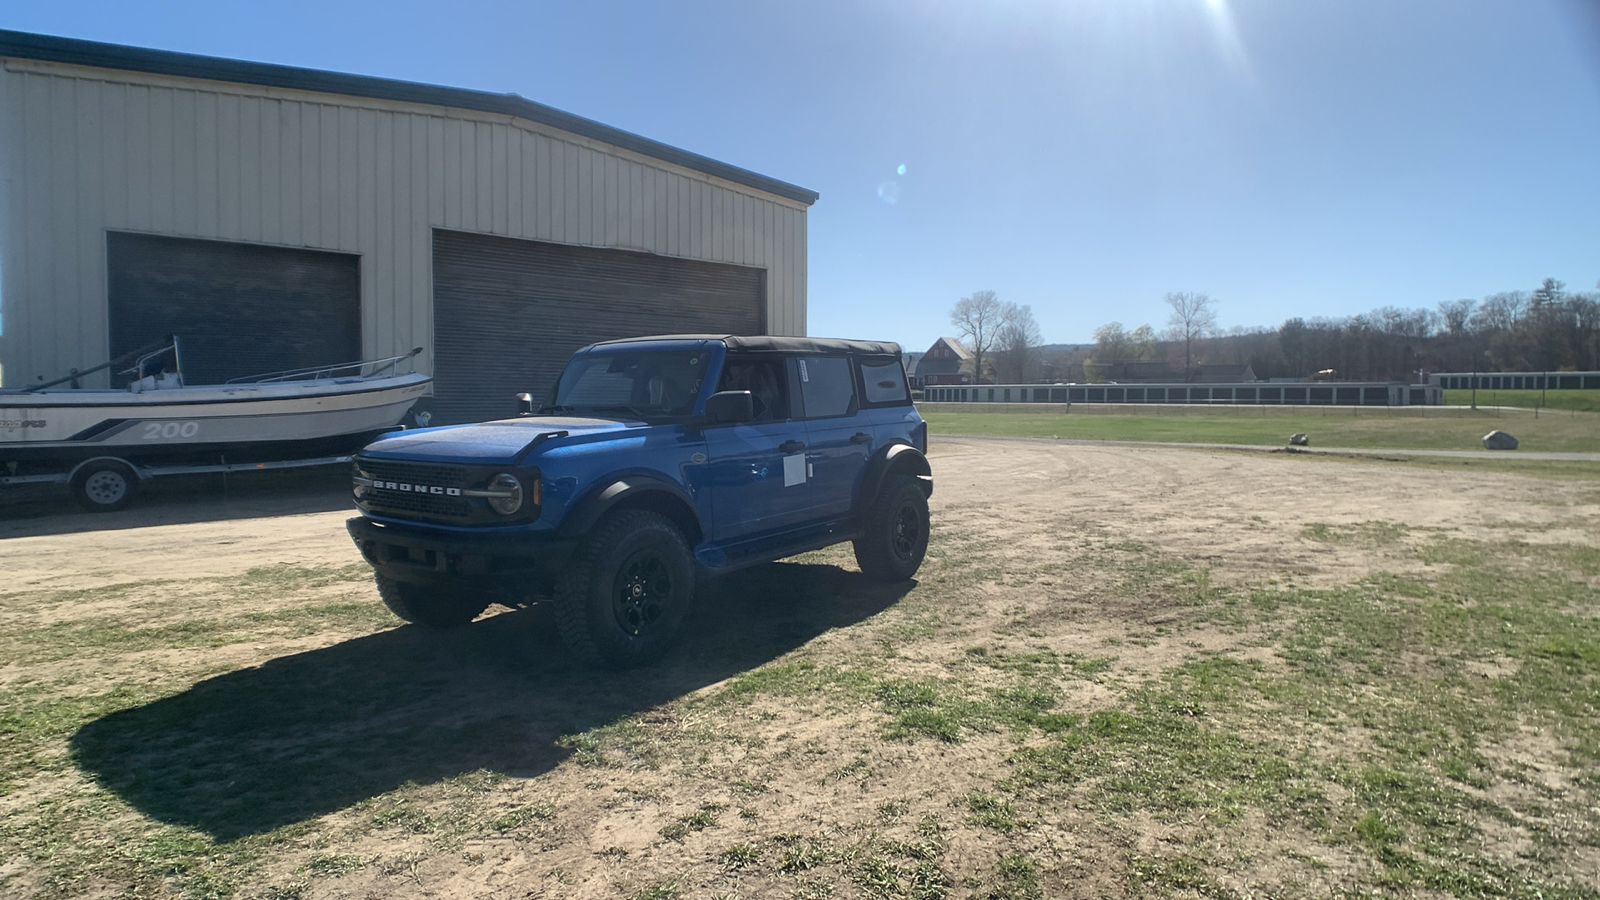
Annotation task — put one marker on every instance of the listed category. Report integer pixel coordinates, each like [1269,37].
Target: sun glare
[1113,23]
[1227,35]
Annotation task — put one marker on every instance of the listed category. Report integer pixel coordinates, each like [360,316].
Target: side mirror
[525,405]
[730,407]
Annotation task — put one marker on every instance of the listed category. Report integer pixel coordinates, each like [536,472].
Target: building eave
[72,51]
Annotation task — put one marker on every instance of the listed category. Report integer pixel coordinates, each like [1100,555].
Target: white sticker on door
[794,469]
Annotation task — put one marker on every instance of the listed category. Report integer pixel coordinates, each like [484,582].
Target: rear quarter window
[884,382]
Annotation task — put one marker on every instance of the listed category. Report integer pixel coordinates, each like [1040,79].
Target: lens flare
[889,192]
[901,171]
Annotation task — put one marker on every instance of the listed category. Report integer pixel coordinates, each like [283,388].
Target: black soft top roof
[772,343]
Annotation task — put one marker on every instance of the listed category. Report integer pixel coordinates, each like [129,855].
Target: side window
[883,382]
[827,387]
[764,379]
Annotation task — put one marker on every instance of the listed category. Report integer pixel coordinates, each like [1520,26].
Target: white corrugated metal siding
[84,151]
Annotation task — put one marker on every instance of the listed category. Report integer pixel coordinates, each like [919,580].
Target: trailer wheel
[104,486]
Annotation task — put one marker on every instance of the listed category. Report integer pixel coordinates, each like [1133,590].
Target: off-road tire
[444,606]
[627,592]
[894,537]
[104,486]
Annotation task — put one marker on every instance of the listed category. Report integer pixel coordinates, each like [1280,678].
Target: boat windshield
[648,385]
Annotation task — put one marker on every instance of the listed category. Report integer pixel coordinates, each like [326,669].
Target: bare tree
[1586,330]
[1455,314]
[1194,316]
[1295,343]
[1586,316]
[1015,342]
[979,319]
[1454,348]
[1500,312]
[1409,323]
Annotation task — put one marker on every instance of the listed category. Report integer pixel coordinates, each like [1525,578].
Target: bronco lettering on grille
[409,488]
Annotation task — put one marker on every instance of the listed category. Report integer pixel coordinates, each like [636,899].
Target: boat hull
[66,425]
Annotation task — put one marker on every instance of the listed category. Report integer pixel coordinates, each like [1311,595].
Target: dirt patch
[48,544]
[672,789]
[1239,513]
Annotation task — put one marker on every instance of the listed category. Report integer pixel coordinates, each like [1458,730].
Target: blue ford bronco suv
[654,463]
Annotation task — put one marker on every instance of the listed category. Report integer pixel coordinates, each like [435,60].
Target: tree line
[1548,328]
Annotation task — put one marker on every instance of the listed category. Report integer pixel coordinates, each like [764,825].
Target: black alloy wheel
[643,592]
[909,535]
[894,536]
[629,588]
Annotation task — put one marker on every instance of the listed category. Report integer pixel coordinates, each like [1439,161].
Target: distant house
[948,361]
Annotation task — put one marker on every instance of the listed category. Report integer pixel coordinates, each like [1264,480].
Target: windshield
[649,385]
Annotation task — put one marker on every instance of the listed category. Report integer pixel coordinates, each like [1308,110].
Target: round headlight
[505,494]
[360,483]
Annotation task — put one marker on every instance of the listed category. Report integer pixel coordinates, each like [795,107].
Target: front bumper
[421,556]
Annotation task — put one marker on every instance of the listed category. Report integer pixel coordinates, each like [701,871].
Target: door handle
[860,437]
[791,446]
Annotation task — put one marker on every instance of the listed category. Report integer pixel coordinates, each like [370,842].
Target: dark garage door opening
[507,313]
[237,309]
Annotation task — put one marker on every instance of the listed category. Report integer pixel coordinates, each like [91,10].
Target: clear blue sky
[1085,157]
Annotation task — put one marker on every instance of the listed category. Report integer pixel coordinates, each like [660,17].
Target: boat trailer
[109,483]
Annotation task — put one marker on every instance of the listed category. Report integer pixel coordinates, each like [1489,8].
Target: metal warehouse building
[276,217]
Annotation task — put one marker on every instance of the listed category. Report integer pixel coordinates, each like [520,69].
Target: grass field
[1583,401]
[1428,428]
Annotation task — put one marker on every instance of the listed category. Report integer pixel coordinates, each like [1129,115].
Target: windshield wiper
[548,408]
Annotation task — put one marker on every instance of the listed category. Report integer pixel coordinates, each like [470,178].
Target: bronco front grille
[425,489]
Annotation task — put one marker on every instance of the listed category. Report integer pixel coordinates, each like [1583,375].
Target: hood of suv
[487,442]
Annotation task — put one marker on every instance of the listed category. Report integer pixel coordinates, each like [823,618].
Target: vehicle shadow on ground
[313,733]
[35,510]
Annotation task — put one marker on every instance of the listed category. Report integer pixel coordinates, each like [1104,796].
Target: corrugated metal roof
[25,45]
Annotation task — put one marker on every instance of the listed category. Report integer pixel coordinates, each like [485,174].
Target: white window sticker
[794,469]
[803,374]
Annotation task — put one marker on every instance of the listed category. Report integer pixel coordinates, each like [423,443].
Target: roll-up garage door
[507,313]
[237,309]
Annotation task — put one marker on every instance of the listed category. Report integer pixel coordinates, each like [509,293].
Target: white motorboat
[159,418]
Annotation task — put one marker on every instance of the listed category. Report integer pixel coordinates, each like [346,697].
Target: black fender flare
[896,458]
[599,500]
